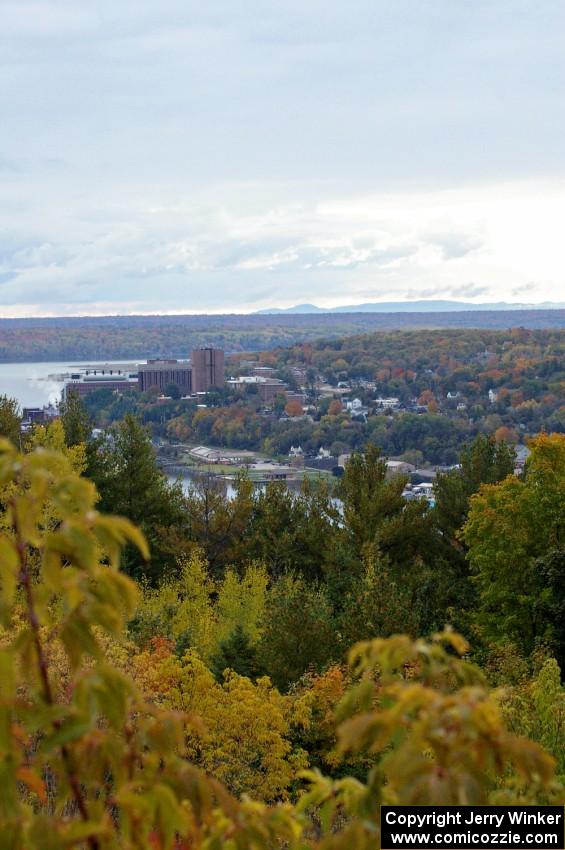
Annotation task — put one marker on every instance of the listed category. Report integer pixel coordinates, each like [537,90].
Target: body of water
[187,478]
[29,382]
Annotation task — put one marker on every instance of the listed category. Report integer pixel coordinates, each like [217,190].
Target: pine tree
[236,653]
[131,484]
[10,419]
[76,421]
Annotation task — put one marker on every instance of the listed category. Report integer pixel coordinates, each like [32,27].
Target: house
[357,408]
[391,403]
[398,467]
[296,451]
[522,454]
[492,396]
[323,454]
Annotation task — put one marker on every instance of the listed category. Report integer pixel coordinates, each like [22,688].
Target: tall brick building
[163,373]
[204,371]
[207,369]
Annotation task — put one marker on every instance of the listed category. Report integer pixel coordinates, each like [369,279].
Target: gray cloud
[187,153]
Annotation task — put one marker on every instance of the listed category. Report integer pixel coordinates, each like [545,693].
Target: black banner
[472,827]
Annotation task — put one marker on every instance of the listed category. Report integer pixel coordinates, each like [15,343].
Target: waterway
[188,477]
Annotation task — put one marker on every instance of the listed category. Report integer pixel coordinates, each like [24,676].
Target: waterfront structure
[203,372]
[98,379]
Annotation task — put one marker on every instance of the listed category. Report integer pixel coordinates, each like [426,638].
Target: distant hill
[408,307]
[91,338]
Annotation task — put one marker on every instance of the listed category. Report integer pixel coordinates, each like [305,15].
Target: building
[264,371]
[208,365]
[267,388]
[201,373]
[164,373]
[100,380]
[39,415]
[391,403]
[398,467]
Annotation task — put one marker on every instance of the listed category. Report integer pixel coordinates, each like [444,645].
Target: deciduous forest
[139,337]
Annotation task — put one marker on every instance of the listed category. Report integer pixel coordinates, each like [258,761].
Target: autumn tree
[512,527]
[294,408]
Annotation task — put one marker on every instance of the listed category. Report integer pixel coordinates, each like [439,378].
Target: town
[275,420]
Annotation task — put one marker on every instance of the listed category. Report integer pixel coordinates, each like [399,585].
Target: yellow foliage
[244,741]
[52,436]
[182,608]
[241,601]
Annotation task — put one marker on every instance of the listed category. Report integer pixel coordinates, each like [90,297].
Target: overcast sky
[179,156]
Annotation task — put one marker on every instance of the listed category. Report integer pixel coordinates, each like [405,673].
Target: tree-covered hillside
[139,337]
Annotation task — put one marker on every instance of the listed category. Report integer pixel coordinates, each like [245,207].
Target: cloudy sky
[228,155]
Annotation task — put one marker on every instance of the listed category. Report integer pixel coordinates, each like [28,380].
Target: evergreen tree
[10,419]
[236,653]
[377,518]
[483,462]
[130,483]
[75,419]
[298,631]
[218,524]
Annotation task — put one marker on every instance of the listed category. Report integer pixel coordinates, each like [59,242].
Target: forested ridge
[264,671]
[140,337]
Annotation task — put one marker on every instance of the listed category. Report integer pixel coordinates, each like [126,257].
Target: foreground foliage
[90,758]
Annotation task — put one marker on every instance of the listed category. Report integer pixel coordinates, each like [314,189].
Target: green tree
[510,527]
[236,653]
[298,631]
[376,606]
[483,462]
[75,419]
[376,516]
[10,419]
[131,484]
[218,524]
[379,524]
[549,607]
[173,391]
[293,531]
